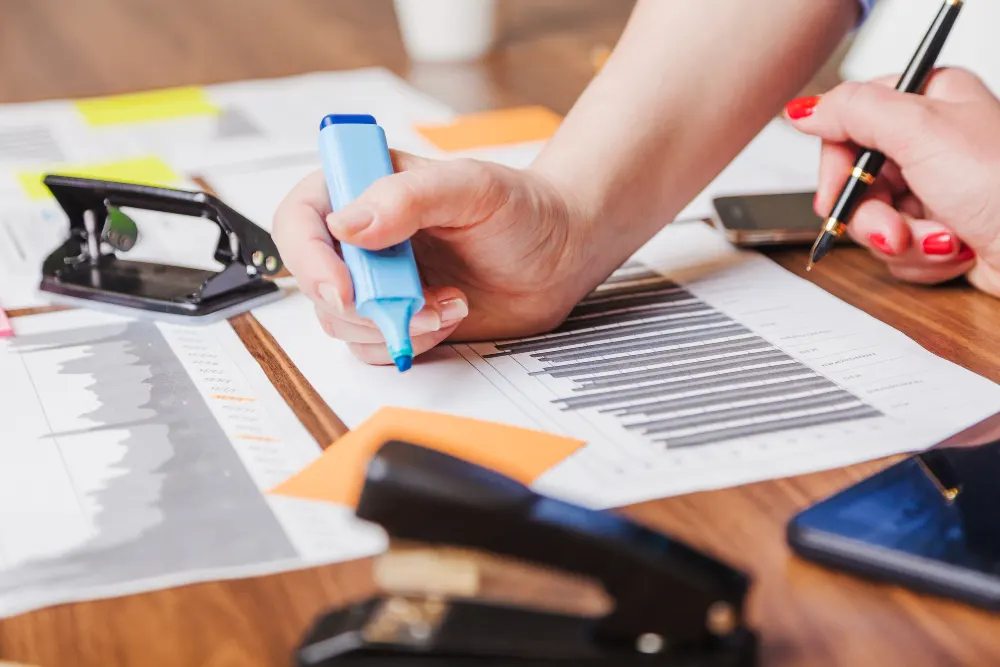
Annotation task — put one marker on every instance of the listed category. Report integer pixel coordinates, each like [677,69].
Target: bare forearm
[688,86]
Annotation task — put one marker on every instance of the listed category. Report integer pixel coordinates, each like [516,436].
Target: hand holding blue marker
[387,287]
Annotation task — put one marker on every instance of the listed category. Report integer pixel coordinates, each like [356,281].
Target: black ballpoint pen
[870,162]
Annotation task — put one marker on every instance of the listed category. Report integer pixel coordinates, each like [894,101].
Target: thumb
[874,116]
[455,194]
[403,161]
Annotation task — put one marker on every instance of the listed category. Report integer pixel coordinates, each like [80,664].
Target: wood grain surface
[807,615]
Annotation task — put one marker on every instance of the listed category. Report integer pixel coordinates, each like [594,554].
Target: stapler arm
[673,606]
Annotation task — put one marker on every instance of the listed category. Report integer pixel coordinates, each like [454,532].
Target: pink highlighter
[6,328]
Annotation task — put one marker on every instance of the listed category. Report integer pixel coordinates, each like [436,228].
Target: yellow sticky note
[144,170]
[493,128]
[338,475]
[143,107]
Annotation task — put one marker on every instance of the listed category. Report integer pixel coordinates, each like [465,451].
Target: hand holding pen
[934,214]
[869,161]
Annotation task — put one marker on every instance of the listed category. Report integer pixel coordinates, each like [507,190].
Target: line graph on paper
[135,456]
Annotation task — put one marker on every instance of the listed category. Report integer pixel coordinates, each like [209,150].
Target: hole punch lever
[86,270]
[672,606]
[120,231]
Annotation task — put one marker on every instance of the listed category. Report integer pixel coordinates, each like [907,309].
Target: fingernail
[939,244]
[966,254]
[351,220]
[331,296]
[801,107]
[453,310]
[425,321]
[880,243]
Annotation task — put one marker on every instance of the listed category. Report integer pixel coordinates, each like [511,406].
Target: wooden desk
[808,616]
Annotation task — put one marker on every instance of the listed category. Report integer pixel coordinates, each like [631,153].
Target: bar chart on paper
[665,365]
[135,456]
[660,375]
[731,374]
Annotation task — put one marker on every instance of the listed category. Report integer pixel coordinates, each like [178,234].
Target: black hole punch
[91,267]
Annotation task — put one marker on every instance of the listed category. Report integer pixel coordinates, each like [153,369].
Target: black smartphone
[931,523]
[775,219]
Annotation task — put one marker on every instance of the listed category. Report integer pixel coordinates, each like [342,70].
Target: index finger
[877,116]
[307,248]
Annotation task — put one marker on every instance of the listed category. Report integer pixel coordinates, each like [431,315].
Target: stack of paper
[252,141]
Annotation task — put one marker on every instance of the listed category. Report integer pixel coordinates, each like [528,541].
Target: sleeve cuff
[866,8]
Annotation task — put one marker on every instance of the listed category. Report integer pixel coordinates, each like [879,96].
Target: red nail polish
[939,244]
[801,107]
[966,254]
[880,243]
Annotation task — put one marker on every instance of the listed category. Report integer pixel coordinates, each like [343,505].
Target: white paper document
[135,456]
[697,366]
[256,185]
[28,234]
[779,160]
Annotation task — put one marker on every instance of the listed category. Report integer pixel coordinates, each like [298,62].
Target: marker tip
[403,362]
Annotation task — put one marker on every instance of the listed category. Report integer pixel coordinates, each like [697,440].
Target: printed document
[695,366]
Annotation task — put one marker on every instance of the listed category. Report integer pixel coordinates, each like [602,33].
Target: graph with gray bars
[667,366]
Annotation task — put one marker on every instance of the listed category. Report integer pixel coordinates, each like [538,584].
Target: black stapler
[672,605]
[85,270]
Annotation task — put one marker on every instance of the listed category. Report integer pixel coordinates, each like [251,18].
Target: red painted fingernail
[966,253]
[801,107]
[881,244]
[939,244]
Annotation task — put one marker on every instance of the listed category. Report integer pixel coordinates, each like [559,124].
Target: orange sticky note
[338,475]
[493,128]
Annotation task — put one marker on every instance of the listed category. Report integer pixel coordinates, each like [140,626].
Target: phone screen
[904,509]
[768,219]
[932,521]
[761,212]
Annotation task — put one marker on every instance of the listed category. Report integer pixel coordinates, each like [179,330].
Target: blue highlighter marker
[387,286]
